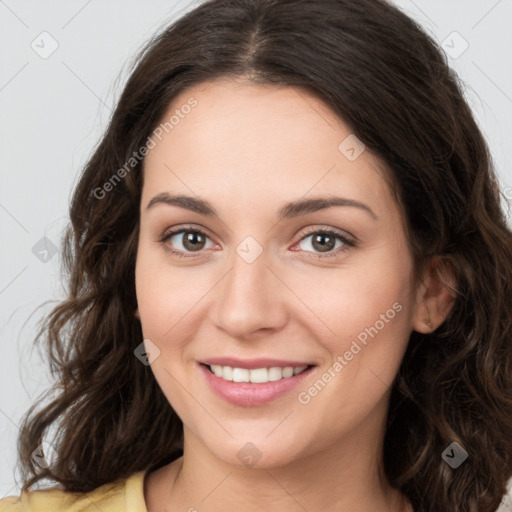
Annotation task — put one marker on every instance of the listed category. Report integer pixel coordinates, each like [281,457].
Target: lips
[253,382]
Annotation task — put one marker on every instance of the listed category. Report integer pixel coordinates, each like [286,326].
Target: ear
[435,296]
[137,314]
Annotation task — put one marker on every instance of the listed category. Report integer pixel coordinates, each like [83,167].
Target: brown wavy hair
[391,84]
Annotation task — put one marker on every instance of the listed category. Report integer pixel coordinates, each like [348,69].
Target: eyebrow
[289,210]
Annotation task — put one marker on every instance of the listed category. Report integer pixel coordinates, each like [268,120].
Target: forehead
[244,140]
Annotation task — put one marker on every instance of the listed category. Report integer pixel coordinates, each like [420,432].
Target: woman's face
[256,286]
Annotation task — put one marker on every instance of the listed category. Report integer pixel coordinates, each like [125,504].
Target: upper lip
[253,363]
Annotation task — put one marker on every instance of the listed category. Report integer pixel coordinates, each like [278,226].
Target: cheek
[365,315]
[352,298]
[169,298]
[156,295]
[365,332]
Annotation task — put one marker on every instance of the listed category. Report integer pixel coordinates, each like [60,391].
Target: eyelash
[348,244]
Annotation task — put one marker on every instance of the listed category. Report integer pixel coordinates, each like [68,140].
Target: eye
[187,238]
[327,242]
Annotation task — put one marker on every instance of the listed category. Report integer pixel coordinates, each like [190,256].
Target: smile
[256,375]
[256,382]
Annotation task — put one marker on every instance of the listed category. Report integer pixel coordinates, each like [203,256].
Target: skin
[248,149]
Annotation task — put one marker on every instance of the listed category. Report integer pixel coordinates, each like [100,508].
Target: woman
[290,279]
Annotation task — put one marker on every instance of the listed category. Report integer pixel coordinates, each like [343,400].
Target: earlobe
[137,314]
[435,296]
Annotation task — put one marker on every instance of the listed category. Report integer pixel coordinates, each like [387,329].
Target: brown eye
[185,240]
[193,240]
[325,243]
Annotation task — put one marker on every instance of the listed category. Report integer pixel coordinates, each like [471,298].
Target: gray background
[54,108]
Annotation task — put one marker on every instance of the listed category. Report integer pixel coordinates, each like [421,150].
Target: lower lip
[248,394]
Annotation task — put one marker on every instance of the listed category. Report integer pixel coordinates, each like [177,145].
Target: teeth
[257,375]
[217,370]
[287,372]
[275,373]
[240,375]
[227,372]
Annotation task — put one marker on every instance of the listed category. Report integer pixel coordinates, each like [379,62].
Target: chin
[257,452]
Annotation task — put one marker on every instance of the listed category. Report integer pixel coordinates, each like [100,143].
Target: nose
[250,300]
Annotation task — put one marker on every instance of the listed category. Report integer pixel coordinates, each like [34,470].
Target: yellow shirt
[125,495]
[121,496]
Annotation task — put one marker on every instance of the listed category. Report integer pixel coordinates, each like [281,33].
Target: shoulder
[124,495]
